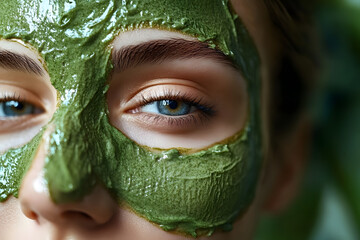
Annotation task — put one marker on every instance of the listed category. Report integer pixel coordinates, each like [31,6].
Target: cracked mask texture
[189,193]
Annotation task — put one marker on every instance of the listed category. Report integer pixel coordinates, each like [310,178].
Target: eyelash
[204,110]
[12,97]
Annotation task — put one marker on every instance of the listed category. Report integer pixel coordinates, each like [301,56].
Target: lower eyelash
[194,119]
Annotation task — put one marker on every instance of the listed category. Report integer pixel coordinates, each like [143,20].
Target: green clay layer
[189,193]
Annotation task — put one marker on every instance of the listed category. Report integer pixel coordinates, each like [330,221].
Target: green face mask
[190,193]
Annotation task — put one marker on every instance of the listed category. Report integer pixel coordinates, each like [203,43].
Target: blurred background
[328,206]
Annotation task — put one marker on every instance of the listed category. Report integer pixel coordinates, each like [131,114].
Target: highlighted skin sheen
[194,193]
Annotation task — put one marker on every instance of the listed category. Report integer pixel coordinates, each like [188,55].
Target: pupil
[173,104]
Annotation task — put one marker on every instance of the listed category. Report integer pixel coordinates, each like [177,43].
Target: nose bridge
[78,70]
[65,173]
[74,149]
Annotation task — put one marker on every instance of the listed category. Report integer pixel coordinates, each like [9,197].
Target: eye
[15,108]
[169,107]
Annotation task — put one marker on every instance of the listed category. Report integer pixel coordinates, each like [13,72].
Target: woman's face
[128,119]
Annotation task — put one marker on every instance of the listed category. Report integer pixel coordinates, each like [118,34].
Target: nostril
[77,215]
[29,213]
[81,219]
[32,215]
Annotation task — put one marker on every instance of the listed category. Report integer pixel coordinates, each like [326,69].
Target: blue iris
[173,108]
[16,109]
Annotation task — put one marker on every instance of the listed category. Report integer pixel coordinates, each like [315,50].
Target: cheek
[193,193]
[13,166]
[10,213]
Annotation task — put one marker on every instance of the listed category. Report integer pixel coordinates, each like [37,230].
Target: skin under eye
[15,108]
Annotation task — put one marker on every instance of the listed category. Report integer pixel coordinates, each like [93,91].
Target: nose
[94,209]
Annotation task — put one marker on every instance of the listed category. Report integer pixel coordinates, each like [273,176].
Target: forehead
[84,19]
[68,31]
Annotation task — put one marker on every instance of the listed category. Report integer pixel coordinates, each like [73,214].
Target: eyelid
[8,93]
[165,91]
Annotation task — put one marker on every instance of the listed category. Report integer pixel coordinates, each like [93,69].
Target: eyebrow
[21,62]
[158,51]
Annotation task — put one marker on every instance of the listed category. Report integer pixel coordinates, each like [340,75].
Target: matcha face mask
[191,193]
